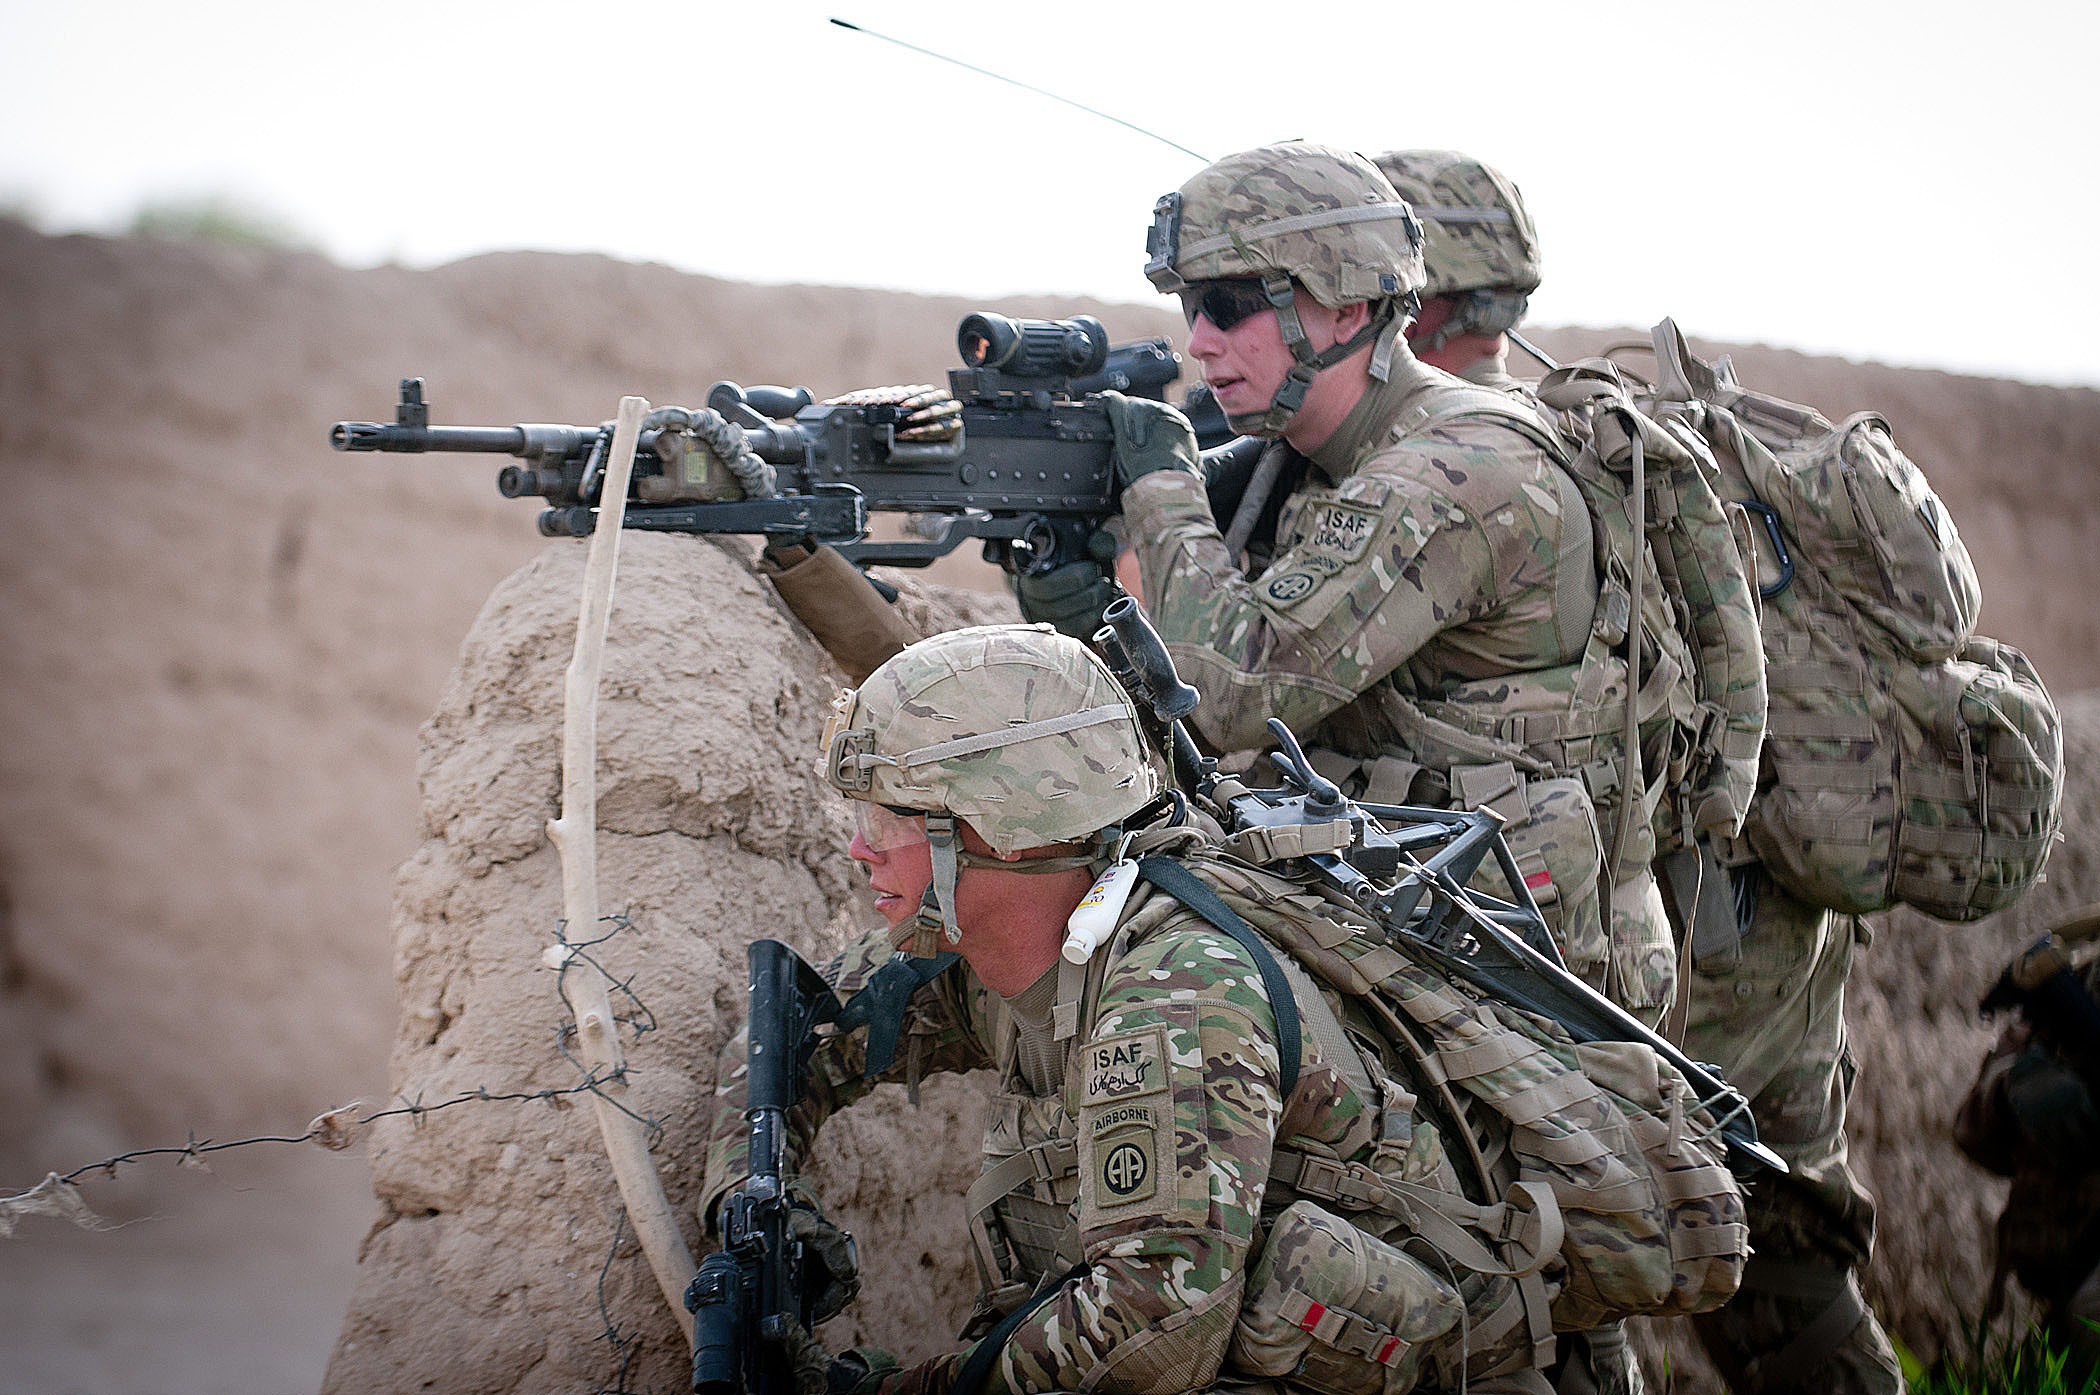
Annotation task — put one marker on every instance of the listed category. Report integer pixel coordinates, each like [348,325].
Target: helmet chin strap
[936,913]
[1486,313]
[1382,326]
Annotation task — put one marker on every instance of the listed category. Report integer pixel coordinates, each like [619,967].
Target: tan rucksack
[1639,478]
[1906,758]
[1612,1198]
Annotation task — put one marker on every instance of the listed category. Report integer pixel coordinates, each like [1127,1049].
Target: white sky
[1909,182]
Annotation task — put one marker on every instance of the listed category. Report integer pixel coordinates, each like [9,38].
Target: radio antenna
[1025,87]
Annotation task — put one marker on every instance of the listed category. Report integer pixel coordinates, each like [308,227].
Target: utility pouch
[1559,849]
[1337,1310]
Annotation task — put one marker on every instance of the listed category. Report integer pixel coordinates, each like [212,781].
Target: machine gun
[1023,466]
[1407,866]
[763,1277]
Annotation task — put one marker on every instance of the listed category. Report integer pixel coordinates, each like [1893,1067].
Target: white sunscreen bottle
[1094,919]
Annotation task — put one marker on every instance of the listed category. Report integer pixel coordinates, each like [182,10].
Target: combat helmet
[1482,248]
[1294,215]
[1018,729]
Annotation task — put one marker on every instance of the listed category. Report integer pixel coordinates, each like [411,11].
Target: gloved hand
[1070,597]
[863,1371]
[835,1271]
[815,1371]
[1149,436]
[809,1365]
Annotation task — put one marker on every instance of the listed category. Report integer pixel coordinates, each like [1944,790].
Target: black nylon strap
[1181,884]
[977,1366]
[880,1004]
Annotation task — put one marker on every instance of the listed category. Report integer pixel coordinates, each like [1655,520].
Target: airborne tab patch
[1126,1165]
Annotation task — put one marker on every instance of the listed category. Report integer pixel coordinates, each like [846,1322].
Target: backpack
[1599,1187]
[1640,479]
[1906,758]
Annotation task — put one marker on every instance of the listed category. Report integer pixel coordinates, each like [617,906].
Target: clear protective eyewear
[888,827]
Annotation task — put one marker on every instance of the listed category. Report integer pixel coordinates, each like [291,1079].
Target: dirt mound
[221,639]
[494,1263]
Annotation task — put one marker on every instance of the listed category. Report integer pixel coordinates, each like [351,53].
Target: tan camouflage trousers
[1773,1019]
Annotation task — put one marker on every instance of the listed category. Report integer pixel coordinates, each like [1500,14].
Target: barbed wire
[637,1016]
[625,1347]
[58,1195]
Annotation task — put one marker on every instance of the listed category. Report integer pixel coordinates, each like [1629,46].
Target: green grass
[2001,1363]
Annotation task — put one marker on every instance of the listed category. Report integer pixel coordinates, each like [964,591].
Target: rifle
[762,1278]
[1407,866]
[1026,469]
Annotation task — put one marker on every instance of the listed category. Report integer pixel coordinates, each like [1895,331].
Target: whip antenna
[1025,87]
[1530,348]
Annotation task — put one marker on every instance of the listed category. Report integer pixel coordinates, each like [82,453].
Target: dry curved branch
[574,835]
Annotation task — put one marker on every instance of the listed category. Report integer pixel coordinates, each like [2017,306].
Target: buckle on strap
[1351,1185]
[1054,1158]
[1262,846]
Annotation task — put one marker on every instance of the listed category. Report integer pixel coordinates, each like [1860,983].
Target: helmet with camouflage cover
[1294,215]
[1018,729]
[1481,246]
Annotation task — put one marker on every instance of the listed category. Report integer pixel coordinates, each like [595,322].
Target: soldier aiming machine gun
[1026,469]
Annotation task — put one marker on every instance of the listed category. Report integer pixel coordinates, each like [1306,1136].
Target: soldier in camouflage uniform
[1770,1010]
[1481,253]
[1427,613]
[1134,1147]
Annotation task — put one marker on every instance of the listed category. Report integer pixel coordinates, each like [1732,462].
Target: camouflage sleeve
[944,1030]
[1178,1112]
[1427,535]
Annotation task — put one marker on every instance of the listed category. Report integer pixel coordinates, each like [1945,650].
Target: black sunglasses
[1224,303]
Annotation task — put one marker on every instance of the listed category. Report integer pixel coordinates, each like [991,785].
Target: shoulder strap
[880,1004]
[976,1370]
[1575,568]
[1181,884]
[1451,401]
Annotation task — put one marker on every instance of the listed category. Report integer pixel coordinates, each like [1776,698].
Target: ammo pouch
[1552,832]
[1336,1310]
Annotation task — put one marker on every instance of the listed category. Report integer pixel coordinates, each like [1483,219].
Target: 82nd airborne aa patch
[1126,1114]
[1126,1162]
[1291,587]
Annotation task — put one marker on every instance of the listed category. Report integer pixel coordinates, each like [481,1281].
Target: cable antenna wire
[1025,87]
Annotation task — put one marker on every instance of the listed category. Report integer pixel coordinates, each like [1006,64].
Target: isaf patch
[1125,1067]
[1338,532]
